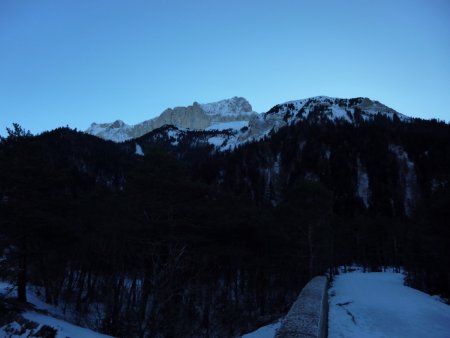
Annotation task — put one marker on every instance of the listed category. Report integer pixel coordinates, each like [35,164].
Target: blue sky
[73,62]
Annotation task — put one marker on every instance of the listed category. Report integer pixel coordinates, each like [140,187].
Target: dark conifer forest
[187,241]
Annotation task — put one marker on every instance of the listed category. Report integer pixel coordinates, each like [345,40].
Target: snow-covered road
[377,304]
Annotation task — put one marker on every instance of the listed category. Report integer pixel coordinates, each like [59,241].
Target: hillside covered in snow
[36,319]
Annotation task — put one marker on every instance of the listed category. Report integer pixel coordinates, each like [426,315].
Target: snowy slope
[234,125]
[267,331]
[377,304]
[63,328]
[222,136]
[37,316]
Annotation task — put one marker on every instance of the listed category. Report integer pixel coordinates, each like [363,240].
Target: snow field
[377,304]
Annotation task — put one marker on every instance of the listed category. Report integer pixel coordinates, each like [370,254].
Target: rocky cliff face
[197,116]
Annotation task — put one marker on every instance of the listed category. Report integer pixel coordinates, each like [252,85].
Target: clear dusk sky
[73,62]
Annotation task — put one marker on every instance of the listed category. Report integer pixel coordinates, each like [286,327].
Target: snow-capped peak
[234,106]
[118,124]
[116,131]
[234,111]
[334,108]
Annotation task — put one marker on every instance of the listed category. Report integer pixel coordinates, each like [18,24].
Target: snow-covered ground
[23,325]
[267,331]
[63,328]
[377,304]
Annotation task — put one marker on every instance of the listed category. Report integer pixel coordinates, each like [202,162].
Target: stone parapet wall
[308,317]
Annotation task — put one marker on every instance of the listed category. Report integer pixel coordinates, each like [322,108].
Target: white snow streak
[407,176]
[216,141]
[138,150]
[363,184]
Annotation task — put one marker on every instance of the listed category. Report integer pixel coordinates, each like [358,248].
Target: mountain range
[196,116]
[236,116]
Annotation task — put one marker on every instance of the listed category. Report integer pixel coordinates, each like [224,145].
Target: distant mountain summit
[244,125]
[197,116]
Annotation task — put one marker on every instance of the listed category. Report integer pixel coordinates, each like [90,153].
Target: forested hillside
[189,241]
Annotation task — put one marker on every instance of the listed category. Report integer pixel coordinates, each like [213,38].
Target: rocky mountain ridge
[237,116]
[197,116]
[226,136]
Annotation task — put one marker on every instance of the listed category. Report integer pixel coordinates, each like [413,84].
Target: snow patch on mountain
[216,141]
[138,150]
[408,179]
[362,190]
[235,125]
[174,135]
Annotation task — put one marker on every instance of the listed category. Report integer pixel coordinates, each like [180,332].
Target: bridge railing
[308,317]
